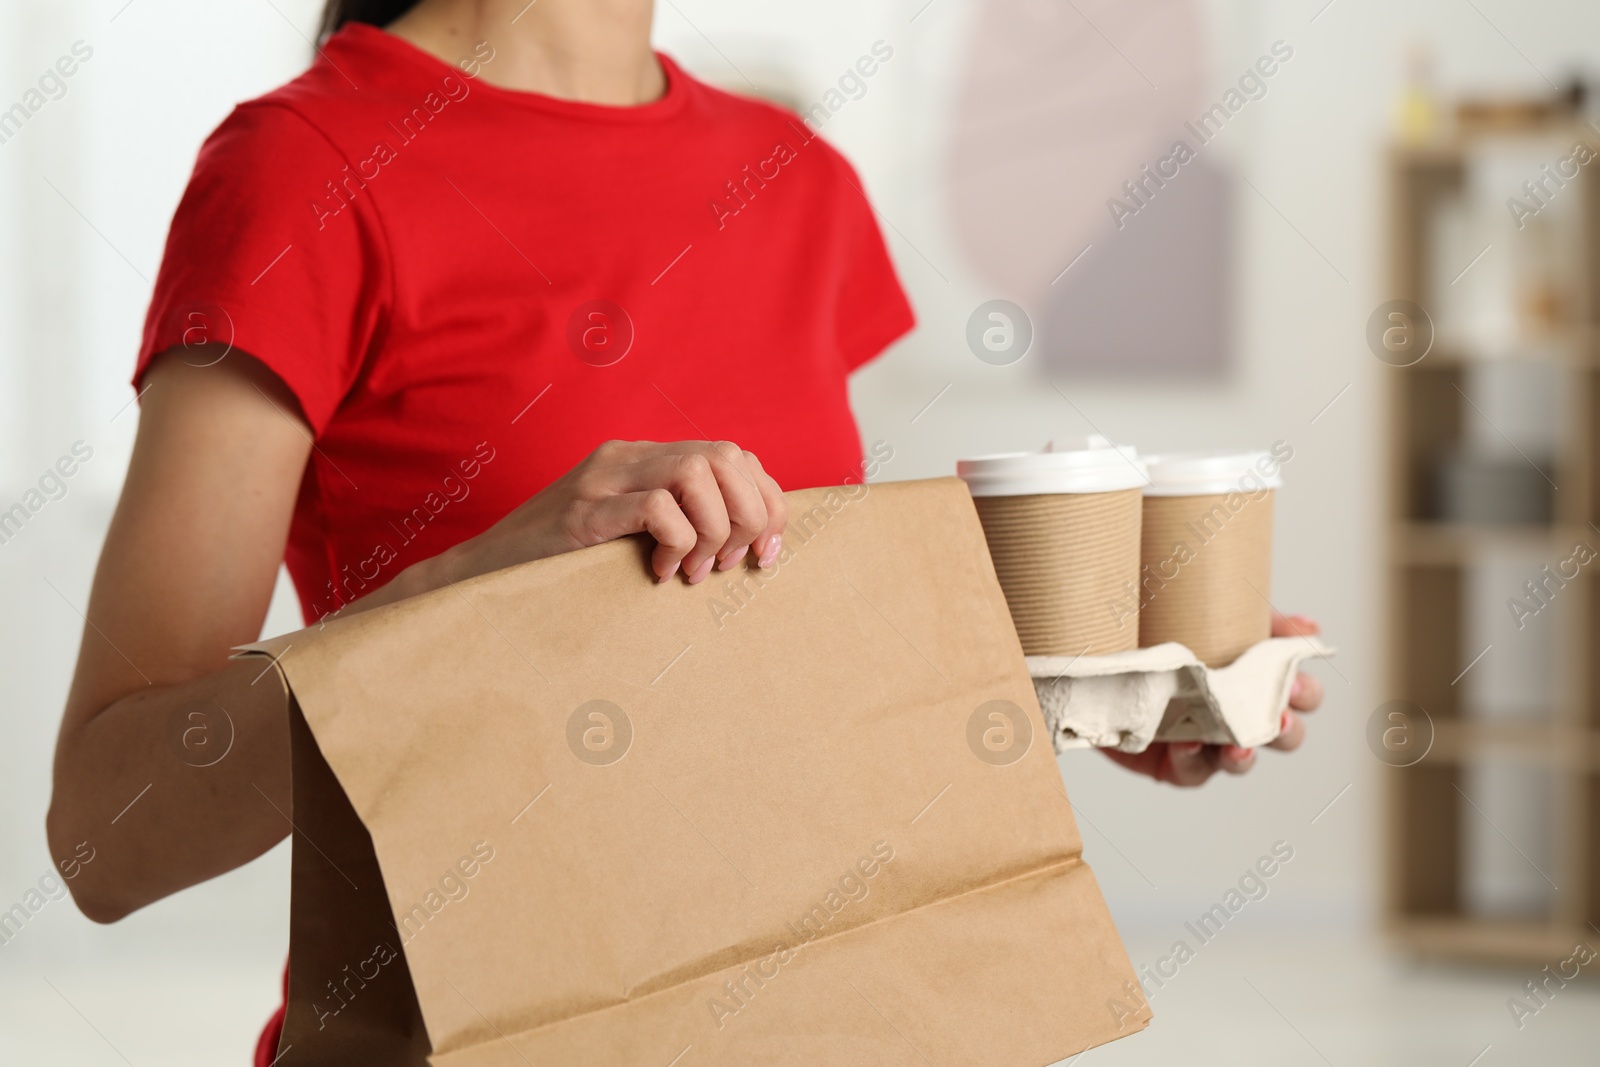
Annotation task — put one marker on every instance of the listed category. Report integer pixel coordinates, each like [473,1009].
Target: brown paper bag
[562,814]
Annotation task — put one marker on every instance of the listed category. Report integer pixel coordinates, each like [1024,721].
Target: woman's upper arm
[193,550]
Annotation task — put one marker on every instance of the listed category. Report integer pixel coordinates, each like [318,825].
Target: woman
[412,305]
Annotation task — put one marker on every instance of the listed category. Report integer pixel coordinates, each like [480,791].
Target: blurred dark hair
[374,12]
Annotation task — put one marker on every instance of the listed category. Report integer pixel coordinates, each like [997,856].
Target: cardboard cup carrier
[1206,579]
[1063,531]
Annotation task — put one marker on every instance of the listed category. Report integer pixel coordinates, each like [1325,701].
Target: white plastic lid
[1087,465]
[1211,473]
[1085,442]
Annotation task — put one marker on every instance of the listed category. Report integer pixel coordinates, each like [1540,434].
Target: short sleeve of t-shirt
[872,311]
[275,250]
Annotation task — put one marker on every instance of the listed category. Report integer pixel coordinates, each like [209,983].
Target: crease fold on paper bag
[1128,700]
[813,822]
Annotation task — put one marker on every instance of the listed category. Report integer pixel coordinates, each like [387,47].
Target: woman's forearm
[173,781]
[172,785]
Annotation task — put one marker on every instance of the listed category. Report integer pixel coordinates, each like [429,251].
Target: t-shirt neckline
[667,104]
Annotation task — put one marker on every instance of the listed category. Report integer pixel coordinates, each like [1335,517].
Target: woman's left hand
[1190,763]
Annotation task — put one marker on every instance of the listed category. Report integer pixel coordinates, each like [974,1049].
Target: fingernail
[701,571]
[1283,723]
[1188,748]
[1295,689]
[669,574]
[770,553]
[732,559]
[1239,755]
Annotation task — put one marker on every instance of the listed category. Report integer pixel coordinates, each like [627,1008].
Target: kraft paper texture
[1206,578]
[1067,562]
[563,814]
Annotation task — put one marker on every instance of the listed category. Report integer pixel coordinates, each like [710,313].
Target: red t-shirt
[468,288]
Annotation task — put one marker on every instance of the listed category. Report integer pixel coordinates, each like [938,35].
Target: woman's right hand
[188,570]
[707,505]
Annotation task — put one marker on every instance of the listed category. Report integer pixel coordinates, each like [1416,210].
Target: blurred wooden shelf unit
[1431,810]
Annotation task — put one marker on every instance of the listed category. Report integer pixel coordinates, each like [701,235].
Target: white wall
[119,146]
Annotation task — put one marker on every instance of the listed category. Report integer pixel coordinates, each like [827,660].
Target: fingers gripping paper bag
[562,814]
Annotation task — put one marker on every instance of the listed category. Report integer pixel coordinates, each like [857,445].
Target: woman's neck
[594,51]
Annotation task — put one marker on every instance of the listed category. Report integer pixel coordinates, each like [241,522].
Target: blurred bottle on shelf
[1546,267]
[1504,245]
[1417,111]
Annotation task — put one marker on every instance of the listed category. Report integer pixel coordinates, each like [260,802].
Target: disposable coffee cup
[1206,570]
[1063,531]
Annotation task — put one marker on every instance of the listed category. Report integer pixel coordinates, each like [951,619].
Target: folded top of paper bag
[797,816]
